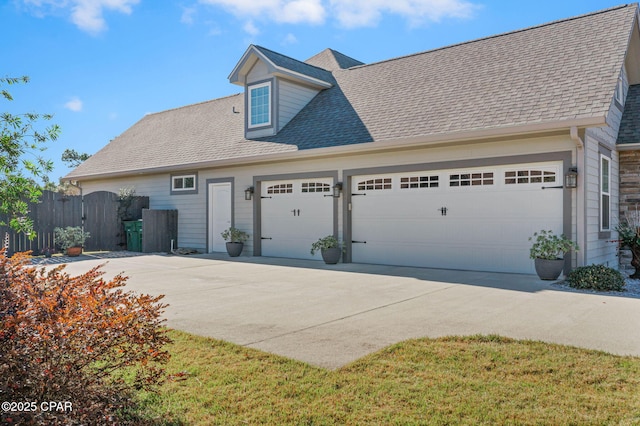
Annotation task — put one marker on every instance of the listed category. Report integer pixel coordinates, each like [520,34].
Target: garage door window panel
[471,179]
[376,184]
[414,182]
[310,187]
[284,188]
[516,177]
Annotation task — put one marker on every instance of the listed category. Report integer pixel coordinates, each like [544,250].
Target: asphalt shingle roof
[295,65]
[564,70]
[630,125]
[332,60]
[191,134]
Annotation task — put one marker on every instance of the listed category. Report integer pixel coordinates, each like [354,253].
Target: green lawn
[471,380]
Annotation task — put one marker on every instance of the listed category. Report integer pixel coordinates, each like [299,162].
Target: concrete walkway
[331,315]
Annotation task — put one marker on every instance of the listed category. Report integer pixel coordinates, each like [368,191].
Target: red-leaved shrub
[81,341]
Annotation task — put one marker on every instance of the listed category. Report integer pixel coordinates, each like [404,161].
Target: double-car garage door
[471,219]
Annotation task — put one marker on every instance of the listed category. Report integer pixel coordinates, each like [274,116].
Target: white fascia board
[321,84]
[235,74]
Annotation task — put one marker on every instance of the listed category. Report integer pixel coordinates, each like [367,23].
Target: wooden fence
[103,213]
[159,227]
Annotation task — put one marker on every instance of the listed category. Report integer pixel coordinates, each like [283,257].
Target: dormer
[276,89]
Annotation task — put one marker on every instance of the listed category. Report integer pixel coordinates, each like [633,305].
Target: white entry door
[294,214]
[474,218]
[219,214]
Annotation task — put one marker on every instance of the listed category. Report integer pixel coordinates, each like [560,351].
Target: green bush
[596,277]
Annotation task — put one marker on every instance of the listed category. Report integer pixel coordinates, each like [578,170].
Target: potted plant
[548,252]
[71,239]
[48,252]
[235,239]
[329,248]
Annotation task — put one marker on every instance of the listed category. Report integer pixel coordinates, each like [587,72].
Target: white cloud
[282,11]
[358,13]
[74,104]
[187,15]
[348,13]
[250,28]
[290,39]
[88,15]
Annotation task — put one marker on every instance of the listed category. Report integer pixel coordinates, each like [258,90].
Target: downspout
[581,225]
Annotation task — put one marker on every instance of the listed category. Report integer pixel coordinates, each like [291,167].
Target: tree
[73,157]
[22,138]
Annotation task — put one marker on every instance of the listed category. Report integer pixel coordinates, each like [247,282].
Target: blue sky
[101,65]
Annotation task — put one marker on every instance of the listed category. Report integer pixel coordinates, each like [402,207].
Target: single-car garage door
[294,214]
[470,219]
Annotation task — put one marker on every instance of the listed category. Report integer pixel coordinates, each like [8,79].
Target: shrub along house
[450,158]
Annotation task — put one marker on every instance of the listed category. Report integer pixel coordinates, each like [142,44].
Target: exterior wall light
[571,178]
[336,189]
[248,193]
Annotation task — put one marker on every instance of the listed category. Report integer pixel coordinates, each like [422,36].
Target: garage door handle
[353,195]
[358,242]
[553,187]
[266,238]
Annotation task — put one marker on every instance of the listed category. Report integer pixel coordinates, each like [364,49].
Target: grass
[470,380]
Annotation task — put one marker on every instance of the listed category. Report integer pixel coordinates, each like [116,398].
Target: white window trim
[249,89]
[604,193]
[183,177]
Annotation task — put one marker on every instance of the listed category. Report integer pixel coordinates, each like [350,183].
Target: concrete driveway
[331,315]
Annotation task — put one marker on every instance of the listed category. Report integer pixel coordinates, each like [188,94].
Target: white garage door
[470,219]
[294,214]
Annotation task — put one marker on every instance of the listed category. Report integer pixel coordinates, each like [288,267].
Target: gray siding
[192,215]
[192,207]
[599,248]
[292,98]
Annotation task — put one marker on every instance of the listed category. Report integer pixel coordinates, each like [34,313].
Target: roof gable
[280,65]
[332,60]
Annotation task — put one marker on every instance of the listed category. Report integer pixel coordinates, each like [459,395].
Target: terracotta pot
[74,251]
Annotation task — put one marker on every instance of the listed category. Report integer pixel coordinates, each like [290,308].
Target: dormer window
[260,105]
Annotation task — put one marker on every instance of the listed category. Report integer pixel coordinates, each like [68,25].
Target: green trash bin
[133,230]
